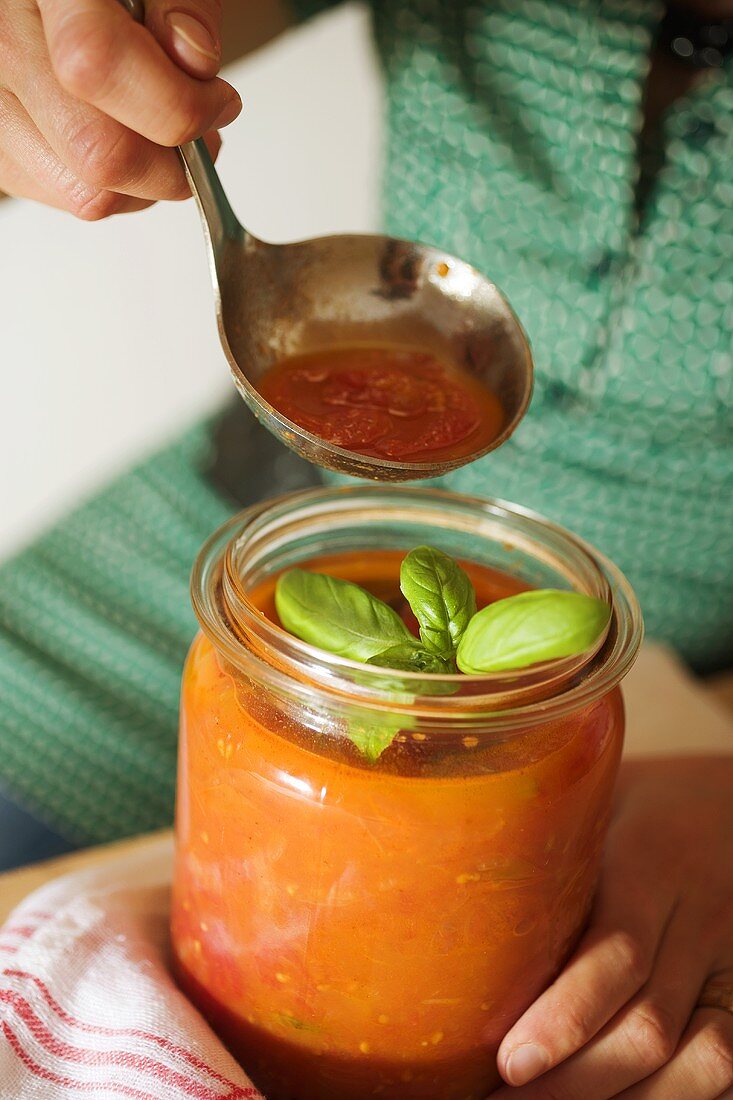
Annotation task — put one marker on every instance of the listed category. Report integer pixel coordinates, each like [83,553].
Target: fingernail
[525,1063]
[192,41]
[228,114]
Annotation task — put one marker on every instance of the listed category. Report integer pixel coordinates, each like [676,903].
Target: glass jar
[356,927]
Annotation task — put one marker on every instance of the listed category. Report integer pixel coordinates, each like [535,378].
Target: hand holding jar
[644,1008]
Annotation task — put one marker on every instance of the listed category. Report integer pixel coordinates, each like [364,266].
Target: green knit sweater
[512,137]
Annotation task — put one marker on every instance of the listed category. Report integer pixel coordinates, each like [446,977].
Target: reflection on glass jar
[352,928]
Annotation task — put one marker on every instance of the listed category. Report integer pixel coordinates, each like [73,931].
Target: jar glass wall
[356,927]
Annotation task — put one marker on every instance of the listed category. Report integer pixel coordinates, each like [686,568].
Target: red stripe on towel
[67,1082]
[82,1056]
[238,1092]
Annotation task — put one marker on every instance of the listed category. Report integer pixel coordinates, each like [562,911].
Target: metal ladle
[274,301]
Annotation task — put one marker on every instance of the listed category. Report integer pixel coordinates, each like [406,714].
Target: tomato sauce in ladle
[386,402]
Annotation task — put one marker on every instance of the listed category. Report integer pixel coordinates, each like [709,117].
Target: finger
[642,1036]
[30,169]
[101,56]
[99,150]
[190,33]
[702,1068]
[102,152]
[612,963]
[16,182]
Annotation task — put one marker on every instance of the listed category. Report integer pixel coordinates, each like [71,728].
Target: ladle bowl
[274,301]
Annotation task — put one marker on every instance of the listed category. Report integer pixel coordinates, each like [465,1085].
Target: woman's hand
[92,104]
[625,1018]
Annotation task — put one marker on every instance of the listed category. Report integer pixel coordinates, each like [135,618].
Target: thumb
[190,33]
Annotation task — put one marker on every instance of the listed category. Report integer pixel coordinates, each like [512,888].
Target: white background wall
[107,337]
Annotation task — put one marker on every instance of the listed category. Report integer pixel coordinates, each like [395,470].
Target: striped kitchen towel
[88,1006]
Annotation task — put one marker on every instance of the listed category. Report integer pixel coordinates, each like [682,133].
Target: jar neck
[261,542]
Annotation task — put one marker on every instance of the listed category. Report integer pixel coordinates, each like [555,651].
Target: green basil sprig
[340,617]
[513,633]
[345,619]
[441,596]
[522,630]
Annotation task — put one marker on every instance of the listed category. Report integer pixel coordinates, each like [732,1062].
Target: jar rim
[539,693]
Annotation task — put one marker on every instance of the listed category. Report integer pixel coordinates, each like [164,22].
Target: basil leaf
[534,626]
[441,597]
[372,735]
[339,616]
[421,661]
[414,659]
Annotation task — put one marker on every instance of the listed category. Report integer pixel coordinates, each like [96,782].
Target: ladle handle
[219,220]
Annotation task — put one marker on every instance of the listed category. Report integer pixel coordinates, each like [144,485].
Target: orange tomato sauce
[383,402]
[355,930]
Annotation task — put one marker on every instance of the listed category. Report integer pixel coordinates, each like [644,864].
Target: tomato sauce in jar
[385,402]
[356,929]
